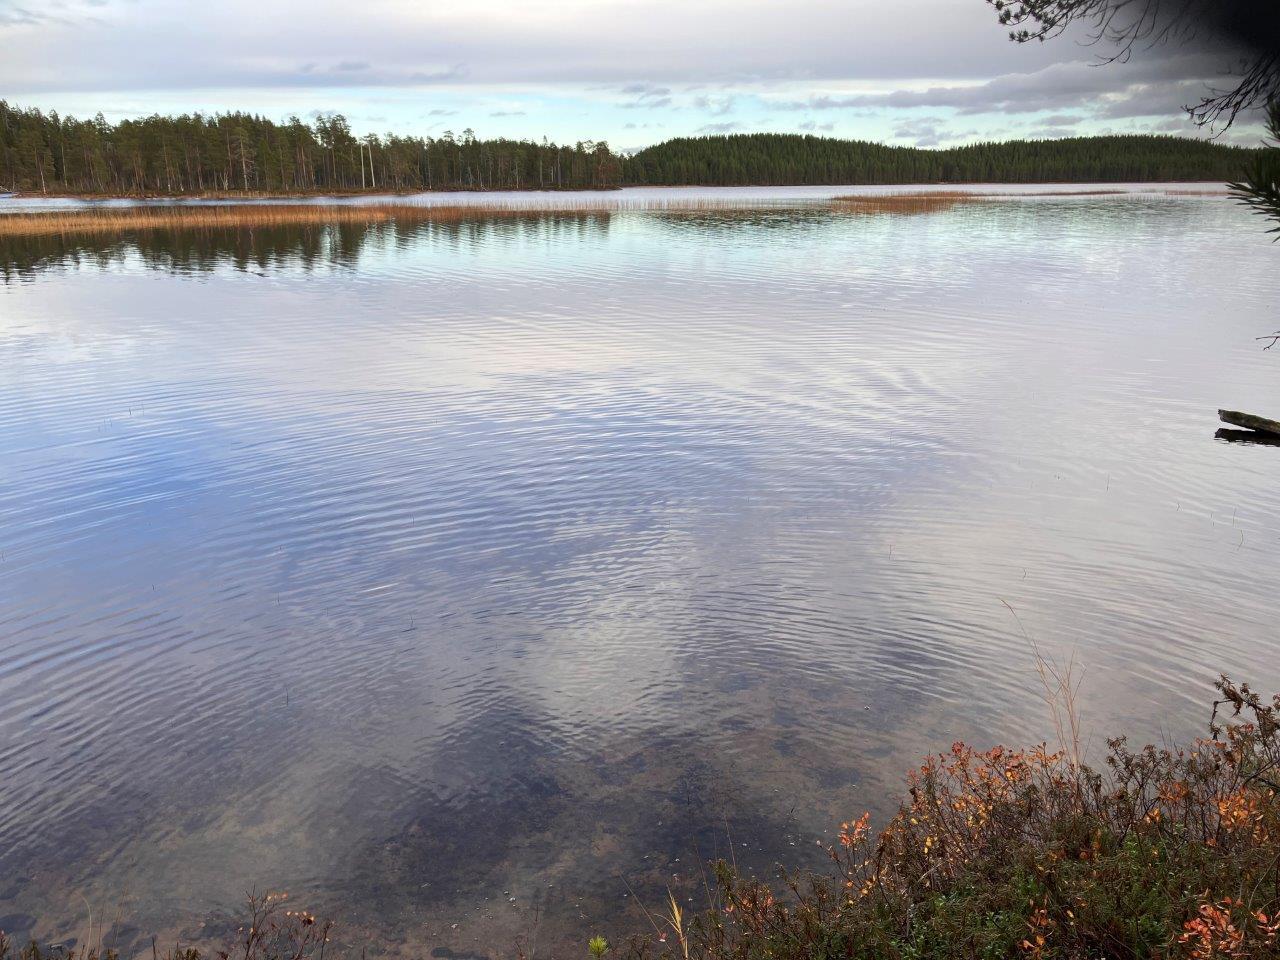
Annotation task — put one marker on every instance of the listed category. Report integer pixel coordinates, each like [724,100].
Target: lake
[469,581]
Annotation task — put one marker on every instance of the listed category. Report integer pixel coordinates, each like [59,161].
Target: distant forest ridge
[244,153]
[780,158]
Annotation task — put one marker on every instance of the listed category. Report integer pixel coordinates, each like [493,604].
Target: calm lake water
[461,580]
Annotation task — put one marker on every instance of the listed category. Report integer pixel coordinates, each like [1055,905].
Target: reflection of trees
[263,249]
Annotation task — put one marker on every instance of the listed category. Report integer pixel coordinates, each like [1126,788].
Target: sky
[632,72]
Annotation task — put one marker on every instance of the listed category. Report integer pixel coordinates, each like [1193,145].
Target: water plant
[268,931]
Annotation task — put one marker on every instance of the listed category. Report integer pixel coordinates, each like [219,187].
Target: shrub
[1170,853]
[1162,853]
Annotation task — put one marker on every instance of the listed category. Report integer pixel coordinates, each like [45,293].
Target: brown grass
[935,201]
[99,220]
[241,216]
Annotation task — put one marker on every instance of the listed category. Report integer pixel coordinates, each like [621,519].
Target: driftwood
[1248,436]
[1249,421]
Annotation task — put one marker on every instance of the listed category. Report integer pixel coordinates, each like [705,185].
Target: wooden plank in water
[1249,421]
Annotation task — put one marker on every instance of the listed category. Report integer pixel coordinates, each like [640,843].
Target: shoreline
[260,213]
[255,195]
[1000,852]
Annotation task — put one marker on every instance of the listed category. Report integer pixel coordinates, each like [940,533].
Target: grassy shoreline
[247,215]
[232,196]
[130,219]
[1169,853]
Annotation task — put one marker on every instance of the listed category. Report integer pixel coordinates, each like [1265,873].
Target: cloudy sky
[633,72]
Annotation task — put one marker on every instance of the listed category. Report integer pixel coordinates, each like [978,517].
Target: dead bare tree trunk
[1249,421]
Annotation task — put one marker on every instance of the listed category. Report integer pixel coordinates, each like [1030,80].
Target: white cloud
[237,43]
[1159,85]
[580,67]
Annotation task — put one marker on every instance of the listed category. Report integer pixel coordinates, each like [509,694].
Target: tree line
[245,153]
[1247,30]
[775,158]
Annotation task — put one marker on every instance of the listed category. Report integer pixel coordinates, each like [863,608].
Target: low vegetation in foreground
[270,931]
[1160,853]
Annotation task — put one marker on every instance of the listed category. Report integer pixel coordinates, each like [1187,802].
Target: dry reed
[264,215]
[935,201]
[125,219]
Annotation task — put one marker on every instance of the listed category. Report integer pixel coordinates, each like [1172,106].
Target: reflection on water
[303,247]
[417,569]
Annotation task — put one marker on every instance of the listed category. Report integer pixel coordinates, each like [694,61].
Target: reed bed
[264,215]
[933,201]
[215,216]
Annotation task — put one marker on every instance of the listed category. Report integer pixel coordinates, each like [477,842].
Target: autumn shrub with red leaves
[1161,853]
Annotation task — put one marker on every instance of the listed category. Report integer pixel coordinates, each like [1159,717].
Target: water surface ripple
[415,569]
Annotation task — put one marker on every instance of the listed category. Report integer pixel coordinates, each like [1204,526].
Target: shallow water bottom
[416,568]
